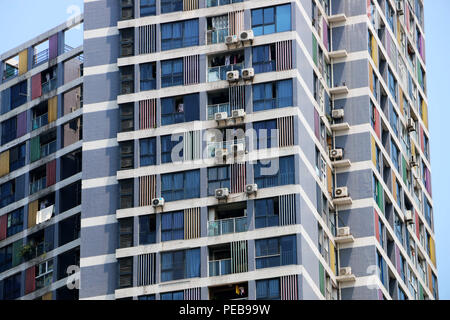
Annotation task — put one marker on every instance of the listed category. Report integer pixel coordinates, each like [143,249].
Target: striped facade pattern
[237,97]
[289,287]
[239,257]
[236,22]
[238,177]
[146,269]
[285,127]
[147,39]
[147,114]
[191,70]
[192,294]
[192,223]
[283,55]
[192,145]
[147,190]
[190,5]
[287,209]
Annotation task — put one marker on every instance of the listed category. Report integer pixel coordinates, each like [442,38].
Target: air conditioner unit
[413,161]
[343,232]
[248,73]
[410,125]
[336,154]
[221,193]
[251,188]
[221,153]
[246,36]
[230,40]
[400,8]
[239,113]
[238,149]
[158,202]
[220,116]
[337,114]
[233,76]
[409,218]
[341,192]
[345,271]
[416,184]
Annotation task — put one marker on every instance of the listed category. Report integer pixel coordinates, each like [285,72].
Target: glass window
[179,34]
[271,20]
[5,258]
[272,95]
[263,58]
[147,149]
[181,264]
[276,252]
[17,157]
[147,229]
[266,134]
[148,76]
[266,213]
[182,185]
[9,130]
[218,177]
[172,226]
[167,144]
[177,295]
[11,287]
[148,8]
[171,6]
[15,222]
[171,73]
[180,109]
[275,172]
[268,289]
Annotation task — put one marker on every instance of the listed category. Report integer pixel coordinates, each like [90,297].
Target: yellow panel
[374,152]
[32,211]
[394,187]
[4,163]
[47,296]
[23,62]
[399,38]
[332,258]
[413,148]
[371,77]
[374,51]
[432,251]
[53,109]
[425,113]
[401,100]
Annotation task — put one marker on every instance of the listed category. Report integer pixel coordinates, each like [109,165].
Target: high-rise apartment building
[230,150]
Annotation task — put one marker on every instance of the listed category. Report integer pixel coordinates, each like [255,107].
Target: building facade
[238,150]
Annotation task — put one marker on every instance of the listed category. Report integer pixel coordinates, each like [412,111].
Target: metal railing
[215,3]
[216,108]
[220,73]
[213,146]
[227,226]
[219,267]
[38,185]
[10,73]
[216,35]
[40,121]
[48,148]
[49,86]
[40,57]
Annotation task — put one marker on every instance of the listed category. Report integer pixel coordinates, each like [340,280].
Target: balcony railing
[215,3]
[10,73]
[216,108]
[220,73]
[40,57]
[38,185]
[216,35]
[227,226]
[49,86]
[219,267]
[213,146]
[48,148]
[40,121]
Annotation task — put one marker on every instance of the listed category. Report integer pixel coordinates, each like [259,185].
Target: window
[127,80]
[11,287]
[263,58]
[183,264]
[390,16]
[394,119]
[17,157]
[126,42]
[148,8]
[126,117]
[147,229]
[277,172]
[381,268]
[272,95]
[395,155]
[178,186]
[126,193]
[44,274]
[180,109]
[125,272]
[5,258]
[127,155]
[272,19]
[265,134]
[177,295]
[218,177]
[179,34]
[276,252]
[147,152]
[7,191]
[172,226]
[168,143]
[171,6]
[127,9]
[18,94]
[392,83]
[147,297]
[9,130]
[171,73]
[15,222]
[266,213]
[126,232]
[148,76]
[268,289]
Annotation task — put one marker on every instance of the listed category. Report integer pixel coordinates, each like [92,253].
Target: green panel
[322,278]
[404,170]
[420,292]
[314,49]
[35,149]
[16,258]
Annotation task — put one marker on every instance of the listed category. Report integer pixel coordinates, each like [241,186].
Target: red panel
[51,173]
[417,226]
[30,277]
[377,225]
[3,226]
[36,86]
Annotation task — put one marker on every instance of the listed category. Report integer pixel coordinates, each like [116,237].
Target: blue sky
[37,17]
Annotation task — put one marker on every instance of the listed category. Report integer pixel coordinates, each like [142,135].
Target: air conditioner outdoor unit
[221,153]
[248,73]
[343,232]
[220,116]
[416,184]
[158,202]
[337,114]
[409,218]
[411,125]
[341,192]
[222,193]
[251,188]
[238,149]
[230,40]
[345,271]
[239,113]
[336,154]
[413,161]
[400,8]
[233,76]
[246,36]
